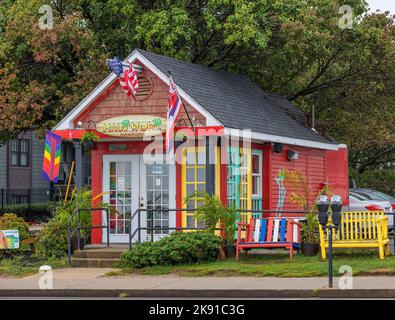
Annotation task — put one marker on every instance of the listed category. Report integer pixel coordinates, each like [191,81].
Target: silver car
[374,195]
[361,203]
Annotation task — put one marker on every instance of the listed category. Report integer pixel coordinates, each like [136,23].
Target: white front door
[129,184]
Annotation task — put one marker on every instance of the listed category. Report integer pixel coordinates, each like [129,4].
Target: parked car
[360,203]
[375,195]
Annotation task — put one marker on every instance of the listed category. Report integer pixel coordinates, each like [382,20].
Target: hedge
[36,212]
[177,248]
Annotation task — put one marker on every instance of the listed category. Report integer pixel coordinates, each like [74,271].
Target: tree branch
[223,57]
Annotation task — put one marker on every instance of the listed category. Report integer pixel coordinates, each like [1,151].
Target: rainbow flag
[52,152]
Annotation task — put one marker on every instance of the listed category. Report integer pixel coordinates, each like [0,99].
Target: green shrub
[52,240]
[177,248]
[10,221]
[36,212]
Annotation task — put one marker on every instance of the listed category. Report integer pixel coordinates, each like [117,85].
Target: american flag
[174,106]
[126,75]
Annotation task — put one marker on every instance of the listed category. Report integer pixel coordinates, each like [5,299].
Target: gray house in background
[21,167]
[20,171]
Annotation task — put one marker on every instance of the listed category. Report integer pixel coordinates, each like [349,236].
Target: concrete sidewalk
[89,282]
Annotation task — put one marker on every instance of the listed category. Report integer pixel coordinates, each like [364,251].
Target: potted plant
[217,216]
[74,244]
[88,139]
[310,241]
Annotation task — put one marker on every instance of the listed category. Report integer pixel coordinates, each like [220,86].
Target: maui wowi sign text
[132,126]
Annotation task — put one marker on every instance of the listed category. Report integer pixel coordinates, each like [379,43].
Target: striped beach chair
[276,232]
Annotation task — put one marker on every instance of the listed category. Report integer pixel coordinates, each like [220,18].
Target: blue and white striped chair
[276,232]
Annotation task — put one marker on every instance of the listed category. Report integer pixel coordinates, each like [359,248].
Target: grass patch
[272,264]
[21,266]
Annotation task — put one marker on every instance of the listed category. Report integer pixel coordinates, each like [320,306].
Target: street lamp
[323,208]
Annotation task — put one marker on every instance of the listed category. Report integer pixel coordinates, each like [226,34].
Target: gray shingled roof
[235,100]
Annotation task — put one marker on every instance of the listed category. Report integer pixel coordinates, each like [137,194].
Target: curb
[181,293]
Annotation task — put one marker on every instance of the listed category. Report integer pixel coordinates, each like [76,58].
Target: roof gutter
[264,137]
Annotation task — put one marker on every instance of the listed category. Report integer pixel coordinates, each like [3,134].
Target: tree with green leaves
[291,47]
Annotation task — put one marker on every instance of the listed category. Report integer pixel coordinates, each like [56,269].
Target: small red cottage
[243,138]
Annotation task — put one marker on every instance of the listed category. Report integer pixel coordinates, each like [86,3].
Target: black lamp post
[323,207]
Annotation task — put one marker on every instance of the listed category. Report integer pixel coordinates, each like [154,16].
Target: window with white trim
[256,175]
[256,165]
[20,152]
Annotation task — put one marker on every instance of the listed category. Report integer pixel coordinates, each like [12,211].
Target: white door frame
[139,198]
[171,203]
[120,238]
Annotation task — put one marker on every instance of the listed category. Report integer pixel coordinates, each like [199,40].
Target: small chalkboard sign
[9,239]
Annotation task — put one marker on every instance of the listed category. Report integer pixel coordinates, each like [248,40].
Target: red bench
[276,232]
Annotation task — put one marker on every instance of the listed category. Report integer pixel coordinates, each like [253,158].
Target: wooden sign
[134,126]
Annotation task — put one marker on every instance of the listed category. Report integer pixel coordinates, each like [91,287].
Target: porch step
[98,254]
[93,263]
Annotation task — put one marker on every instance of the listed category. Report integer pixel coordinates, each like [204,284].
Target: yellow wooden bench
[368,229]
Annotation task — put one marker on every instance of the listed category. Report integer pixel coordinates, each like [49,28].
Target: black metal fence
[27,197]
[20,201]
[31,197]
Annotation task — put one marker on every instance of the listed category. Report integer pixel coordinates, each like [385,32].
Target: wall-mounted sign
[132,126]
[117,147]
[9,239]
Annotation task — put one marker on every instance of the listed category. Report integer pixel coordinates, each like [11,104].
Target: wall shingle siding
[117,103]
[3,166]
[37,159]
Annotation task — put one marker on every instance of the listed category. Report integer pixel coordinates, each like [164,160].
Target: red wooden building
[246,172]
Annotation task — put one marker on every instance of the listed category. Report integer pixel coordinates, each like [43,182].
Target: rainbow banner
[52,152]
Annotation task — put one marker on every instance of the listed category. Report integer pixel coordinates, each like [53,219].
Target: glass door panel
[121,190]
[157,178]
[120,196]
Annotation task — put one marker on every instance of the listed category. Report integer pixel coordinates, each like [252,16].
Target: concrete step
[93,263]
[98,254]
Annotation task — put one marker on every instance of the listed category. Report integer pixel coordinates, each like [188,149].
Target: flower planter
[309,249]
[88,146]
[74,244]
[230,250]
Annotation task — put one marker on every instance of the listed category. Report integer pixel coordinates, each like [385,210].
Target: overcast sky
[383,5]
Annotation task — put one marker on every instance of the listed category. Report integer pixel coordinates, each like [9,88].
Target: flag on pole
[52,152]
[174,106]
[126,75]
